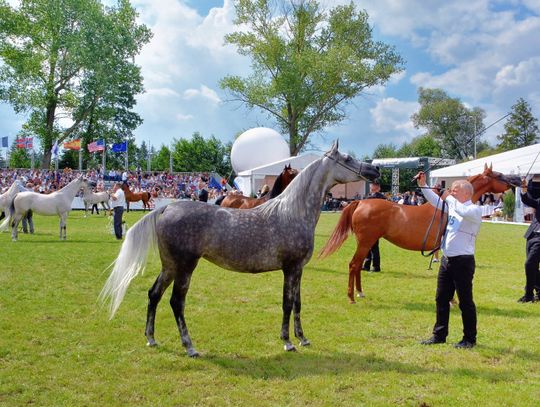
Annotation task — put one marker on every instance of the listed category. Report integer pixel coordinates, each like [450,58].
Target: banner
[119,147]
[5,141]
[73,145]
[25,142]
[98,145]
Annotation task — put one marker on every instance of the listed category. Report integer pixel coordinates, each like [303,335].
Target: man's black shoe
[376,269]
[526,298]
[365,268]
[464,344]
[433,341]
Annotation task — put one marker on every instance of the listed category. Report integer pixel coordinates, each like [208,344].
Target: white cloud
[184,117]
[391,115]
[203,92]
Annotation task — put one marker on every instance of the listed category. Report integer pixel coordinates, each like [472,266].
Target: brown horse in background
[403,225]
[144,196]
[245,202]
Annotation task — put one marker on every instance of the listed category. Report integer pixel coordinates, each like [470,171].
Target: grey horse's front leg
[291,300]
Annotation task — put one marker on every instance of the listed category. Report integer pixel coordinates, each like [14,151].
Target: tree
[385,151]
[449,122]
[161,159]
[70,59]
[200,155]
[19,157]
[307,64]
[521,129]
[421,146]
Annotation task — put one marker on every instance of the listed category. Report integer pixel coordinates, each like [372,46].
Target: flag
[25,142]
[98,145]
[54,150]
[73,145]
[5,141]
[214,184]
[119,147]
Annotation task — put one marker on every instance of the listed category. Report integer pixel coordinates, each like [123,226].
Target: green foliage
[19,157]
[59,347]
[161,159]
[509,204]
[69,159]
[308,64]
[451,124]
[201,155]
[73,56]
[521,129]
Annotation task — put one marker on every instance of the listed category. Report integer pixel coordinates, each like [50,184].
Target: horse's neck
[304,196]
[479,192]
[72,188]
[277,188]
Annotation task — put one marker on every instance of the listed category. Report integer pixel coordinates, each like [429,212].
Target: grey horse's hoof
[305,342]
[289,347]
[151,343]
[192,353]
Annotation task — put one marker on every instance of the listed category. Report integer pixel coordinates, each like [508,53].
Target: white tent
[521,161]
[250,180]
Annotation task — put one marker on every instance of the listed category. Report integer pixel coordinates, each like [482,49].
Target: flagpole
[80,160]
[104,157]
[126,154]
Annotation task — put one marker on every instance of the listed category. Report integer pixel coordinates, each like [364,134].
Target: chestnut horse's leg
[355,268]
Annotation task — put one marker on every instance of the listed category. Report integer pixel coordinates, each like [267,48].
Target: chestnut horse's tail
[341,232]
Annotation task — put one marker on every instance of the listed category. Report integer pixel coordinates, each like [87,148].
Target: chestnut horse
[244,202]
[144,196]
[403,225]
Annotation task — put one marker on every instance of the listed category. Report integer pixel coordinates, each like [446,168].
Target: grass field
[58,347]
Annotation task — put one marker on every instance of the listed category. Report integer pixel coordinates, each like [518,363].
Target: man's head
[375,186]
[462,190]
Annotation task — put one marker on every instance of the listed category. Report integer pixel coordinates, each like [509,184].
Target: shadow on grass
[430,307]
[303,363]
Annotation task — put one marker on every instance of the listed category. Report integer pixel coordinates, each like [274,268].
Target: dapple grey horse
[56,203]
[276,235]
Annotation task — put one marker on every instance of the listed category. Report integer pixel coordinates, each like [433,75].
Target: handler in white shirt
[119,200]
[457,266]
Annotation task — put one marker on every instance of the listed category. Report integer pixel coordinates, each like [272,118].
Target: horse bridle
[359,172]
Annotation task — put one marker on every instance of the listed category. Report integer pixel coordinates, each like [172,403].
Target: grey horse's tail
[9,215]
[131,260]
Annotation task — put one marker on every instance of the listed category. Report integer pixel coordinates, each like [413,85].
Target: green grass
[58,347]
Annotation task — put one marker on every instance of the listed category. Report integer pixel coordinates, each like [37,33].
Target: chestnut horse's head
[492,181]
[283,179]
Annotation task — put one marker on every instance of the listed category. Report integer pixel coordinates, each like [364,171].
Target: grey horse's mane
[288,203]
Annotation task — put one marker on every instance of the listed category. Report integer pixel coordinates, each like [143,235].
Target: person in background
[457,265]
[532,274]
[119,201]
[374,254]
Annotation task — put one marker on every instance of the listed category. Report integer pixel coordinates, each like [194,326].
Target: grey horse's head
[349,169]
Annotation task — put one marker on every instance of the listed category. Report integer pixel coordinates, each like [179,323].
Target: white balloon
[257,147]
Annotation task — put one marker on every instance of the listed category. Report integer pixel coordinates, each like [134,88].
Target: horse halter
[359,172]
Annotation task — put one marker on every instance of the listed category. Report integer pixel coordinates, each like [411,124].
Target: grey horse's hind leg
[15,227]
[178,302]
[291,301]
[154,297]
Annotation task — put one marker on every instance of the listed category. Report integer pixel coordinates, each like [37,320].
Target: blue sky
[487,53]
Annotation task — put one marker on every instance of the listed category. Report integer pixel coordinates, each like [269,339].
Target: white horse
[7,197]
[56,203]
[91,198]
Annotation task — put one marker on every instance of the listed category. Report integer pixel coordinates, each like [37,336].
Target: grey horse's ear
[335,146]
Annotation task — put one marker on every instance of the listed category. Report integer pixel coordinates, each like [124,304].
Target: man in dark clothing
[532,275]
[374,254]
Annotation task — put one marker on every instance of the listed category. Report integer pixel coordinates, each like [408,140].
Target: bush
[509,205]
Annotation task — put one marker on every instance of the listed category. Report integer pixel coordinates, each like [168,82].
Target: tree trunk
[47,139]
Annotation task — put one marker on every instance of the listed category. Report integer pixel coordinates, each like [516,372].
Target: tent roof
[298,162]
[516,162]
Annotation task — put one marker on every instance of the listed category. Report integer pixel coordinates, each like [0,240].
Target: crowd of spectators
[159,184]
